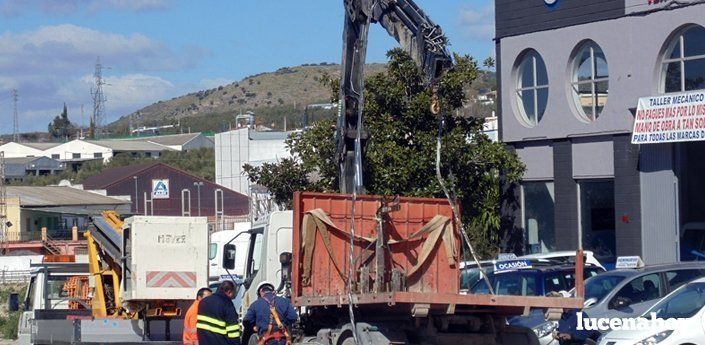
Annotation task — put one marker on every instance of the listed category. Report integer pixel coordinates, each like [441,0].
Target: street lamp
[198,186]
[137,204]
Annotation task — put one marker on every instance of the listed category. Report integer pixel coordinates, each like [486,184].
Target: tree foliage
[61,127]
[400,156]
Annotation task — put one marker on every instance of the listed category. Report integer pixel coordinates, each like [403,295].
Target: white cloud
[478,22]
[64,7]
[64,46]
[54,64]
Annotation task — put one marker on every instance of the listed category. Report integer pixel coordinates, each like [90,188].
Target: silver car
[630,292]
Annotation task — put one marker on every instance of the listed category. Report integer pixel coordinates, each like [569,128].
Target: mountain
[272,96]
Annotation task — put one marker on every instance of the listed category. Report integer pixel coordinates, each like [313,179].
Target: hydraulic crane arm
[417,35]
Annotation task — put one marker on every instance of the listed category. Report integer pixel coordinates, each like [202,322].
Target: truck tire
[346,338]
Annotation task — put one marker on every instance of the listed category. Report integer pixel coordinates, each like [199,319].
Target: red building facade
[161,190]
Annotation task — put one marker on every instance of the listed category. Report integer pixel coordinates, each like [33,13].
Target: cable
[451,200]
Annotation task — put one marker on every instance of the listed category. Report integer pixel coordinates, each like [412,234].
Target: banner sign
[670,118]
[160,189]
[500,266]
[635,6]
[629,262]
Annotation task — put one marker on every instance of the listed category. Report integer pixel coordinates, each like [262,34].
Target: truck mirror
[229,256]
[285,258]
[13,302]
[285,261]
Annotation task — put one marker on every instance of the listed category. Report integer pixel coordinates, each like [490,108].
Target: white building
[82,150]
[238,147]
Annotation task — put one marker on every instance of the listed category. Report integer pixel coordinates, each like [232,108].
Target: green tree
[401,151]
[61,127]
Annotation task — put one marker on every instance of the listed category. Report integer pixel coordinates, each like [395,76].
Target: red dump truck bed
[421,260]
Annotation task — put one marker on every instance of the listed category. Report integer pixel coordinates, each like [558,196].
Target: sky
[154,50]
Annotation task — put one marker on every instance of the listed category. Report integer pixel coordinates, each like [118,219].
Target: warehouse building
[18,169]
[161,190]
[57,209]
[571,75]
[80,150]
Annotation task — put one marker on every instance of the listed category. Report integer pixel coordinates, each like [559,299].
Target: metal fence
[14,277]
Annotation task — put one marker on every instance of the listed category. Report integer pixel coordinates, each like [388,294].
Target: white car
[565,256]
[686,303]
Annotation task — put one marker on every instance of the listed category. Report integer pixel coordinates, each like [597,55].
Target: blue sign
[500,266]
[160,189]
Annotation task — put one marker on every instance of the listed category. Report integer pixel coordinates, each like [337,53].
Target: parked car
[687,302]
[566,256]
[470,273]
[630,292]
[692,242]
[539,278]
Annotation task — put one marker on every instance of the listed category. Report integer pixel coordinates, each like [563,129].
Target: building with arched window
[571,74]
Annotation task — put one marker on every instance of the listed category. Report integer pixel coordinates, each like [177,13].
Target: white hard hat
[263,284]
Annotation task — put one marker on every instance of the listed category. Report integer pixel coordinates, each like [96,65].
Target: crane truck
[142,275]
[365,269]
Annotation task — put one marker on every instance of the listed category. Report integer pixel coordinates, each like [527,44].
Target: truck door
[24,329]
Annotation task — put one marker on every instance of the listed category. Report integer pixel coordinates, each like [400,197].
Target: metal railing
[52,235]
[23,236]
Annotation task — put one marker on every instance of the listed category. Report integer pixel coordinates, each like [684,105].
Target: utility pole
[99,99]
[4,223]
[15,118]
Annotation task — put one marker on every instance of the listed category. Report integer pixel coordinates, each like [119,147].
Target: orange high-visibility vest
[190,334]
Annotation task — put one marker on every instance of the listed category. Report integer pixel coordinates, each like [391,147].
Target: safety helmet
[263,284]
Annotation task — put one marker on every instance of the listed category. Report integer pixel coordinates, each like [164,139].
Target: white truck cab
[46,295]
[269,243]
[240,238]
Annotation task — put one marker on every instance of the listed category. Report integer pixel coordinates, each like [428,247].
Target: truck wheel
[346,338]
[348,341]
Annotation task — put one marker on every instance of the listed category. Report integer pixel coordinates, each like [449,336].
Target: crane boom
[417,35]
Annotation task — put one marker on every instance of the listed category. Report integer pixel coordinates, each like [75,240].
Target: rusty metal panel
[436,276]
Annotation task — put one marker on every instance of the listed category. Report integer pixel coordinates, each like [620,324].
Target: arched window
[684,61]
[532,88]
[590,81]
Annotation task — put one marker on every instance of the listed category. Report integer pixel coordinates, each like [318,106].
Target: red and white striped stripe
[167,279]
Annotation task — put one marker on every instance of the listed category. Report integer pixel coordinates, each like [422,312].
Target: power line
[15,118]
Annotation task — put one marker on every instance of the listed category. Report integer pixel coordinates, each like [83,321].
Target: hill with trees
[271,96]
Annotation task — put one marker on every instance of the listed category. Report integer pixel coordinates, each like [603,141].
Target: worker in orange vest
[190,332]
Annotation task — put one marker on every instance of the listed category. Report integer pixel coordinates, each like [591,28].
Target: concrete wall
[235,148]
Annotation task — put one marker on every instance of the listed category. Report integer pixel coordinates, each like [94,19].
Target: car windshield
[683,303]
[599,286]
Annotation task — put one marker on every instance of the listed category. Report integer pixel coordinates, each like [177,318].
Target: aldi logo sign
[160,189]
